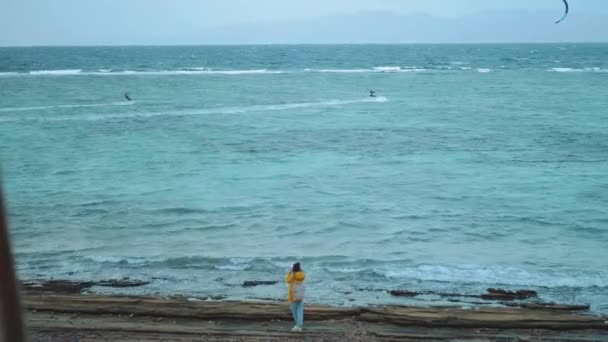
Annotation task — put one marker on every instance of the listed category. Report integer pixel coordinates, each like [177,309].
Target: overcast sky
[107,22]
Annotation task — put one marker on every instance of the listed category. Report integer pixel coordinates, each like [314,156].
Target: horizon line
[298,44]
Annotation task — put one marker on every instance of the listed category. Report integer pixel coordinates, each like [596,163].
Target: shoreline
[491,298]
[90,317]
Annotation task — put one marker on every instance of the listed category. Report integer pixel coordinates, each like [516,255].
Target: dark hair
[296,267]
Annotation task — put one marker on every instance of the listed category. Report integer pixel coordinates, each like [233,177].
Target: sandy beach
[81,317]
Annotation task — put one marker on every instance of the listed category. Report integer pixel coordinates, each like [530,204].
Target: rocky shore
[55,316]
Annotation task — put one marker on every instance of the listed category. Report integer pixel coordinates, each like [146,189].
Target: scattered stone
[370,289]
[71,286]
[159,319]
[131,316]
[269,299]
[493,294]
[403,293]
[125,282]
[250,283]
[59,286]
[500,294]
[448,295]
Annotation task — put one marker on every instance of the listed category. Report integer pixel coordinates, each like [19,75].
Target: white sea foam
[9,74]
[564,69]
[387,68]
[23,109]
[233,267]
[246,72]
[117,259]
[343,71]
[498,275]
[587,69]
[380,69]
[111,72]
[236,264]
[211,111]
[194,72]
[187,71]
[64,72]
[198,69]
[397,69]
[210,71]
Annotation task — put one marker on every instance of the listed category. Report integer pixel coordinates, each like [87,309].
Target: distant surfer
[128,97]
[372,93]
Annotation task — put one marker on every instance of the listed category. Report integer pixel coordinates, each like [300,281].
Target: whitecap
[586,69]
[187,71]
[60,72]
[111,72]
[498,274]
[233,267]
[344,71]
[564,69]
[387,68]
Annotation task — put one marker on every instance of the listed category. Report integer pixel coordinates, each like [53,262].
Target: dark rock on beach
[72,286]
[250,283]
[403,293]
[500,294]
[492,294]
[122,283]
[59,286]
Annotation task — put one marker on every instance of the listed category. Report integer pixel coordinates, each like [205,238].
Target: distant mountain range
[387,27]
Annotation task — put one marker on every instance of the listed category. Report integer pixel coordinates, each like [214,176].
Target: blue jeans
[297,310]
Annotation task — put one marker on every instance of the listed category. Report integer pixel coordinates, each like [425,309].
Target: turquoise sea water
[476,166]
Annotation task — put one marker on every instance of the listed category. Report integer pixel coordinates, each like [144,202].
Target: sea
[474,166]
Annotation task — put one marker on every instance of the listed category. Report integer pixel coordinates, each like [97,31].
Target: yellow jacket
[290,279]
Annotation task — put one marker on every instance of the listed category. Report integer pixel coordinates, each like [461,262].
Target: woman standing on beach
[295,281]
